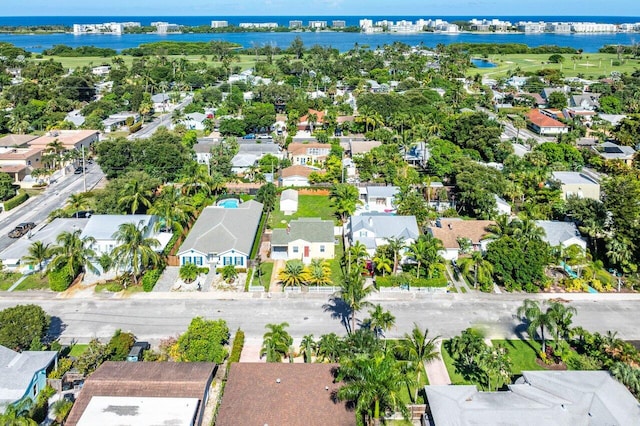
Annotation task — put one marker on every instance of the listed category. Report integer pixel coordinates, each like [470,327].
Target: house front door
[306,251]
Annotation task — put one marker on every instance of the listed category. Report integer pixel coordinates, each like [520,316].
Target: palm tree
[38,253]
[319,272]
[354,292]
[358,254]
[308,347]
[380,320]
[383,263]
[561,316]
[373,383]
[229,273]
[329,348]
[482,268]
[195,178]
[396,245]
[501,228]
[536,319]
[527,230]
[77,202]
[294,274]
[344,197]
[276,342]
[189,272]
[135,251]
[73,253]
[425,251]
[416,349]
[18,414]
[133,196]
[174,209]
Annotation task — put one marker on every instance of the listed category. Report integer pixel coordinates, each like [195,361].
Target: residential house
[379,199]
[289,201]
[161,102]
[260,394]
[144,393]
[567,398]
[576,184]
[23,374]
[502,206]
[203,152]
[612,119]
[103,227]
[587,101]
[358,147]
[452,231]
[241,163]
[304,239]
[547,91]
[373,230]
[259,148]
[11,256]
[119,120]
[16,141]
[561,234]
[542,124]
[611,151]
[193,121]
[20,162]
[297,175]
[307,154]
[75,117]
[70,139]
[312,120]
[222,236]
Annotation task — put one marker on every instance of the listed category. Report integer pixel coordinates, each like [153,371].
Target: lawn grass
[406,394]
[7,279]
[455,377]
[77,350]
[267,271]
[308,206]
[336,268]
[522,353]
[34,282]
[592,65]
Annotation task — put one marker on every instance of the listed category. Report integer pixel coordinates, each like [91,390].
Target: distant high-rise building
[295,24]
[339,24]
[317,24]
[219,24]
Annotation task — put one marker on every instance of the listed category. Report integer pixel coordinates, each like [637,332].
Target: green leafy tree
[478,267]
[319,272]
[21,325]
[7,188]
[267,196]
[229,273]
[73,253]
[537,318]
[344,197]
[396,245]
[119,346]
[425,251]
[416,348]
[383,264]
[276,342]
[380,320]
[329,348]
[189,272]
[95,354]
[18,414]
[134,196]
[204,341]
[308,347]
[135,250]
[354,292]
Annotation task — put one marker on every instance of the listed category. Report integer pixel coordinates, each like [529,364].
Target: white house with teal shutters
[222,236]
[23,374]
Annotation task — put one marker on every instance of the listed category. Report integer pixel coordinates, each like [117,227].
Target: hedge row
[398,280]
[236,349]
[150,278]
[14,202]
[135,127]
[60,280]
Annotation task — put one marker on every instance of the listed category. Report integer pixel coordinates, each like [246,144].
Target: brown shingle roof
[298,171]
[475,230]
[252,397]
[145,379]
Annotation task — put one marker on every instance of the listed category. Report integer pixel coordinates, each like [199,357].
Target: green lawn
[406,398]
[34,282]
[267,271]
[308,206]
[336,269]
[591,65]
[77,350]
[7,279]
[523,356]
[455,377]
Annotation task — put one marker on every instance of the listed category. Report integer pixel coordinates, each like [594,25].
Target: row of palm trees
[296,274]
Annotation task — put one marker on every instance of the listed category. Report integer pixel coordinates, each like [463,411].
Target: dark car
[21,229]
[137,351]
[77,171]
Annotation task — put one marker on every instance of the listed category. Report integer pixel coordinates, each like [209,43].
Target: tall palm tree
[373,383]
[561,316]
[353,292]
[482,268]
[135,251]
[73,253]
[18,414]
[308,347]
[294,274]
[276,342]
[319,272]
[527,230]
[501,228]
[195,178]
[77,202]
[174,209]
[383,263]
[345,198]
[380,320]
[38,253]
[425,251]
[133,196]
[416,348]
[329,348]
[396,245]
[536,319]
[357,254]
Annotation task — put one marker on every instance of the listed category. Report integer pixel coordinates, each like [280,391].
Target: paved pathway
[458,283]
[167,279]
[437,370]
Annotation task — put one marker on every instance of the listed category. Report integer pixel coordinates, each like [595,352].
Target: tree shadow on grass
[521,331]
[339,310]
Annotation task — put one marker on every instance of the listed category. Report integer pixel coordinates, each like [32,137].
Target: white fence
[413,289]
[256,288]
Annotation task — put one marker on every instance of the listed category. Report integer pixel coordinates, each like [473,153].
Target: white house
[378,199]
[102,229]
[373,230]
[502,206]
[289,201]
[193,121]
[561,234]
[297,175]
[222,236]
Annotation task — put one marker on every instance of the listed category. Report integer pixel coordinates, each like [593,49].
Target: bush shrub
[60,280]
[150,279]
[135,127]
[64,365]
[236,349]
[119,346]
[398,280]
[14,202]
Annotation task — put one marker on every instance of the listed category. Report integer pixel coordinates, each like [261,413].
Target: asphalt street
[163,120]
[81,319]
[37,209]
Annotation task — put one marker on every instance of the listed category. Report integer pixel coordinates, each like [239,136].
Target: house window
[227,261]
[240,261]
[186,260]
[198,260]
[295,249]
[321,249]
[363,233]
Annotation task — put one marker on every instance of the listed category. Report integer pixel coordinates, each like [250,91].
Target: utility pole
[84,172]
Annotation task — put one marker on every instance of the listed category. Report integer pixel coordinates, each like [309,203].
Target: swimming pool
[229,203]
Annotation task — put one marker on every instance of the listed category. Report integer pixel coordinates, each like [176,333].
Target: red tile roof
[541,120]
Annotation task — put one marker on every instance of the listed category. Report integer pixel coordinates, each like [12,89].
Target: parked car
[21,229]
[137,351]
[249,136]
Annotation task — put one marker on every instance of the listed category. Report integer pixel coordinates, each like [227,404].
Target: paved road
[163,120]
[54,197]
[154,318]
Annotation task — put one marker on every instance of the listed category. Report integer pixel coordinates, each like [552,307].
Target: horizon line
[314,15]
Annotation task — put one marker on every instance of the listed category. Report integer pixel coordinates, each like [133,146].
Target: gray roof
[612,151]
[386,226]
[313,230]
[614,119]
[47,235]
[556,232]
[219,229]
[17,371]
[244,160]
[289,195]
[259,148]
[196,116]
[382,191]
[203,148]
[571,398]
[103,226]
[160,97]
[573,178]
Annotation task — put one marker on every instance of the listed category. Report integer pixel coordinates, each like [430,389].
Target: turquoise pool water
[592,290]
[230,203]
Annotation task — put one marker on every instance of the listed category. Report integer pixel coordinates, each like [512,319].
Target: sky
[321,7]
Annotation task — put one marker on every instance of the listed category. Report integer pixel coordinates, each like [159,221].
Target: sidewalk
[437,370]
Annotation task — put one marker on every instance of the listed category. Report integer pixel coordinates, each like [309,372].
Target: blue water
[230,203]
[482,63]
[592,290]
[340,41]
